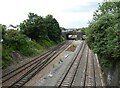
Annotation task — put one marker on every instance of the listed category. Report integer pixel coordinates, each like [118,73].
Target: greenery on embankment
[103,37]
[36,34]
[103,33]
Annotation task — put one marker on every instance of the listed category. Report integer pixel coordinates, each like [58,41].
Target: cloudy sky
[69,13]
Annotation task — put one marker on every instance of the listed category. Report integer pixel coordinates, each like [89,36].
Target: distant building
[13,27]
[70,29]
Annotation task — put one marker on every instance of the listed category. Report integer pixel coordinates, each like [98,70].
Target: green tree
[34,27]
[103,35]
[53,29]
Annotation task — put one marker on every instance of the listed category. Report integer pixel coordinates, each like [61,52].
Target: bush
[6,55]
[103,34]
[14,40]
[47,43]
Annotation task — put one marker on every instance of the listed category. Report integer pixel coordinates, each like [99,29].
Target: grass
[29,49]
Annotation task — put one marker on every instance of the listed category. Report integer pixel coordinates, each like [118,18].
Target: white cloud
[15,11]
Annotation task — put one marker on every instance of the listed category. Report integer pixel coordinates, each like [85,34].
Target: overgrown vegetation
[36,34]
[103,34]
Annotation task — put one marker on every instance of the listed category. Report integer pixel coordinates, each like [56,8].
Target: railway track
[83,71]
[68,76]
[24,73]
[87,74]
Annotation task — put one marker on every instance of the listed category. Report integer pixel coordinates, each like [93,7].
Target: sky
[69,13]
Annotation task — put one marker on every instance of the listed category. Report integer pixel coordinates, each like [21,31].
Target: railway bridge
[71,35]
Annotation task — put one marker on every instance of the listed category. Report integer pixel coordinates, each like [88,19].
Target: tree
[103,34]
[34,27]
[53,29]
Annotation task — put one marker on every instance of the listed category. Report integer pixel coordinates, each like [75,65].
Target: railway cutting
[69,64]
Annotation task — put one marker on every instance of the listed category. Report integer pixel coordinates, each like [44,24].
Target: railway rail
[24,73]
[82,71]
[68,76]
